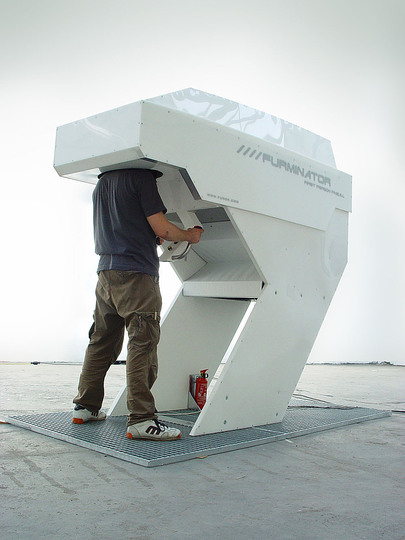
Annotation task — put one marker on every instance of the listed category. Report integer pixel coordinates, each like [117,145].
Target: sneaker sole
[81,421]
[130,436]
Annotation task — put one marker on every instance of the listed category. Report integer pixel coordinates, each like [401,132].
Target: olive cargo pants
[131,300]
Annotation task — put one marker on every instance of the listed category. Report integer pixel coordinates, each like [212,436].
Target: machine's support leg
[303,267]
[196,334]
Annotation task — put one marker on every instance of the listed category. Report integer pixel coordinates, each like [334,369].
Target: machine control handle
[182,255]
[188,247]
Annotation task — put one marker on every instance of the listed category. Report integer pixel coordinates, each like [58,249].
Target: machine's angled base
[108,437]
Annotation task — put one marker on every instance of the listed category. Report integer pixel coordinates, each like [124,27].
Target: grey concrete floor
[347,483]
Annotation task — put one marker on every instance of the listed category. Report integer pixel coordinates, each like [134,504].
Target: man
[129,222]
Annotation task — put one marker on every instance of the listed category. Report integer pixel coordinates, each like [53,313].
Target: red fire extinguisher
[201,385]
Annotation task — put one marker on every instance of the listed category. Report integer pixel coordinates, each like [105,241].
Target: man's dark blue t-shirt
[122,200]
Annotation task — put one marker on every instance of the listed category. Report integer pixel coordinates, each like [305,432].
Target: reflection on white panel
[250,121]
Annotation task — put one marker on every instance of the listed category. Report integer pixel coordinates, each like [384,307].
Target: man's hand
[195,234]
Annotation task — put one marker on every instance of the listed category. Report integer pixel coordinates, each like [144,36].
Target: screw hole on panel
[224,421]
[226,397]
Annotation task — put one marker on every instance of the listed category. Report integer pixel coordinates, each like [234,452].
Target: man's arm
[168,231]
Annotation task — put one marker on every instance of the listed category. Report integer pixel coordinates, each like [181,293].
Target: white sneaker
[153,430]
[82,415]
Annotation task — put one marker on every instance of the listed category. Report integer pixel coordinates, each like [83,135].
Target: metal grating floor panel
[108,437]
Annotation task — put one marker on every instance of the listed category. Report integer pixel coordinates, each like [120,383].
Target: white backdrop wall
[335,68]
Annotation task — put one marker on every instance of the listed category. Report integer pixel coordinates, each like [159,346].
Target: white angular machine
[274,208]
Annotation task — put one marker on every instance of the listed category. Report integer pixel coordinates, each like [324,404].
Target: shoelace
[161,426]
